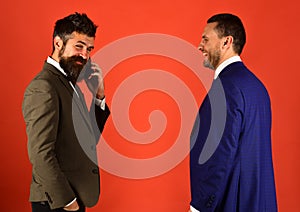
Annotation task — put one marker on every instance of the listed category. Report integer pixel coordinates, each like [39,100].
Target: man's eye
[78,46]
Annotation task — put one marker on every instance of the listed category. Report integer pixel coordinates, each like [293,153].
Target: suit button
[95,171]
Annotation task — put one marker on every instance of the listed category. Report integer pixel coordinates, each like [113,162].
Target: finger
[71,209]
[96,67]
[95,75]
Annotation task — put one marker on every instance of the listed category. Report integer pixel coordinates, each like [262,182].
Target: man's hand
[73,207]
[94,80]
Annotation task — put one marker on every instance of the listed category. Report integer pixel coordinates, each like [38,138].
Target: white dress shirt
[226,63]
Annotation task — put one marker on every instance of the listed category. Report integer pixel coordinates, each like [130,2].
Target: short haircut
[76,22]
[230,25]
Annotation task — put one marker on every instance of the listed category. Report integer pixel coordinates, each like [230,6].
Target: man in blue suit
[231,164]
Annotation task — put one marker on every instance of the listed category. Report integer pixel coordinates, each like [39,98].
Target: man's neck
[225,63]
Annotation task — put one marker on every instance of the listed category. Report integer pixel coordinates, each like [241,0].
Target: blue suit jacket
[231,158]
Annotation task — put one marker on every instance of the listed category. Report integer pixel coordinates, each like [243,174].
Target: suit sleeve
[212,178]
[98,118]
[41,113]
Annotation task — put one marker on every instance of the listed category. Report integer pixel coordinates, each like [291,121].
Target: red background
[271,53]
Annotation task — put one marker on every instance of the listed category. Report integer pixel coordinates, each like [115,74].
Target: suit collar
[78,98]
[225,63]
[53,62]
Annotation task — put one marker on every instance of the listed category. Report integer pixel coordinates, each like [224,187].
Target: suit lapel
[78,102]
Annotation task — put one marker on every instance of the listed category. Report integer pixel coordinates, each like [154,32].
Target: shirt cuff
[100,103]
[193,209]
[71,202]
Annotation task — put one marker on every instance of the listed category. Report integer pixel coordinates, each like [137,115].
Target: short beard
[207,64]
[71,67]
[212,60]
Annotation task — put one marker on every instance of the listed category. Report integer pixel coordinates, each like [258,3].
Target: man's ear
[227,41]
[58,43]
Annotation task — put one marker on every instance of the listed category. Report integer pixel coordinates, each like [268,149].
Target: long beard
[71,67]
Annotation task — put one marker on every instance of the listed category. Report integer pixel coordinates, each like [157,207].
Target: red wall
[270,52]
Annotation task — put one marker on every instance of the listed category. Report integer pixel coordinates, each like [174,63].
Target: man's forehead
[209,30]
[82,38]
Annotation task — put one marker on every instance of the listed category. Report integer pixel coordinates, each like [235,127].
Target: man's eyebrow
[82,42]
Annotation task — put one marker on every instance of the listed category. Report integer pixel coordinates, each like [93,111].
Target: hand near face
[94,79]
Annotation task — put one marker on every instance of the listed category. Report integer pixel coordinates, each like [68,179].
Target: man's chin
[207,64]
[73,68]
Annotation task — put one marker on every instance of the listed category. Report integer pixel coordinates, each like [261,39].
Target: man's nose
[200,47]
[84,54]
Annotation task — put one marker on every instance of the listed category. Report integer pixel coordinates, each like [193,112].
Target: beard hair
[213,59]
[207,64]
[71,67]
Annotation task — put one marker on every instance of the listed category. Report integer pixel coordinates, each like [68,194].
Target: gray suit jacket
[62,138]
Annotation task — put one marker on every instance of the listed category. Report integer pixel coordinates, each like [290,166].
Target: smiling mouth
[205,54]
[79,63]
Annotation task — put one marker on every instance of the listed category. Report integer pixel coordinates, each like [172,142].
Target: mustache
[77,58]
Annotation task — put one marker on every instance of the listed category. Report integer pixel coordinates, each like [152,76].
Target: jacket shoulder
[45,79]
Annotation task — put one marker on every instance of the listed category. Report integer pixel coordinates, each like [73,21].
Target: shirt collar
[226,63]
[53,62]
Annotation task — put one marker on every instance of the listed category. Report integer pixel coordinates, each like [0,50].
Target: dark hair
[74,23]
[230,25]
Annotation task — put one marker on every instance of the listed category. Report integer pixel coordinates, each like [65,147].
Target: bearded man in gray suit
[62,133]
